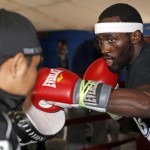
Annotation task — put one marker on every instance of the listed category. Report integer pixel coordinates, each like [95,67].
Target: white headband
[123,27]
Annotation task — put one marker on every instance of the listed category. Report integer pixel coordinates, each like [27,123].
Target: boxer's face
[116,47]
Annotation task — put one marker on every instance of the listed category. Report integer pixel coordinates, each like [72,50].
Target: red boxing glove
[98,71]
[61,87]
[53,85]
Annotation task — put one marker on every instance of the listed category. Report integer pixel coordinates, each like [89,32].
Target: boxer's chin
[115,69]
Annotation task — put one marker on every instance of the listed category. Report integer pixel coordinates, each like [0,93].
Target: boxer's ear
[136,36]
[19,65]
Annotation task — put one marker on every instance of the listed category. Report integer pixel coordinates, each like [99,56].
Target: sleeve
[139,74]
[8,139]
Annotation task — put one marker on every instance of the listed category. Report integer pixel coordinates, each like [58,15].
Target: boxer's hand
[63,88]
[98,71]
[53,88]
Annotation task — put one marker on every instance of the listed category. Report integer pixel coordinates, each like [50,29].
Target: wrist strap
[94,95]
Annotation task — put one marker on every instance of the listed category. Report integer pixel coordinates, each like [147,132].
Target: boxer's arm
[130,102]
[33,125]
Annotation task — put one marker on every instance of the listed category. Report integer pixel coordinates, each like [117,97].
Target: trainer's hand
[33,125]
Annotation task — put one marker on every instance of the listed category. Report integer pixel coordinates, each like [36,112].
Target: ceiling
[68,14]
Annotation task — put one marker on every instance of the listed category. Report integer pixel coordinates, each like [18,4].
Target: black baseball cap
[17,34]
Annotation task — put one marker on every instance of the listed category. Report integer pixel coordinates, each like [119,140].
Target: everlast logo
[90,94]
[52,78]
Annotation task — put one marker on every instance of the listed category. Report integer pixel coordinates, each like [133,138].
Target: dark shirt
[8,138]
[139,74]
